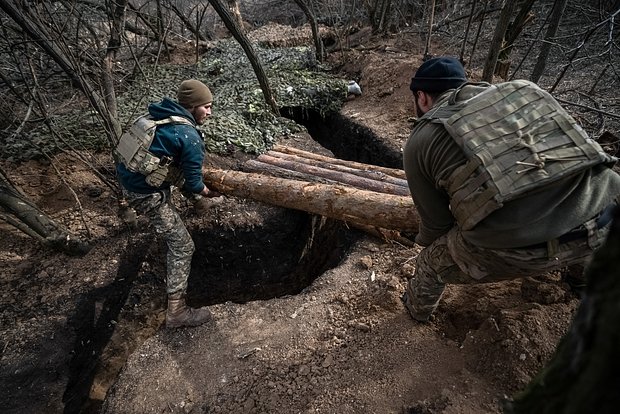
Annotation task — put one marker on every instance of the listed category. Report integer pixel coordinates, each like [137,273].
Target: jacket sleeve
[191,158]
[430,155]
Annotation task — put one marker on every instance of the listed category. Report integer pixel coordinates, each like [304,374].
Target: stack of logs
[374,199]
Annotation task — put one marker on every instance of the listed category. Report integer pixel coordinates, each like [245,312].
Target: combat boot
[179,314]
[417,315]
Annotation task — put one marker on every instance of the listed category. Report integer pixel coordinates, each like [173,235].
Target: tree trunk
[26,216]
[524,16]
[36,30]
[352,177]
[318,42]
[498,40]
[162,31]
[545,48]
[384,20]
[243,40]
[429,32]
[582,376]
[341,202]
[337,161]
[233,8]
[464,43]
[117,29]
[368,171]
[195,29]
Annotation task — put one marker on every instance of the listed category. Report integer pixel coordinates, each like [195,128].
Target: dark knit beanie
[438,75]
[193,93]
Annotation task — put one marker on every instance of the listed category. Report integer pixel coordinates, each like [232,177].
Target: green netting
[241,119]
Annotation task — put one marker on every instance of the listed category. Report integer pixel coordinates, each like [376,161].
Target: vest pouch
[148,163]
[157,177]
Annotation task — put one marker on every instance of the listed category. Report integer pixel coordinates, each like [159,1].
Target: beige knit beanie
[193,93]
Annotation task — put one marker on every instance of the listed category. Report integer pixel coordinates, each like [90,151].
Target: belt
[603,218]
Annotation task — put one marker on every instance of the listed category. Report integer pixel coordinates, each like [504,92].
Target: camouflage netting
[240,115]
[241,119]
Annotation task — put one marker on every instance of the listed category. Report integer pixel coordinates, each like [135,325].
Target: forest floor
[79,334]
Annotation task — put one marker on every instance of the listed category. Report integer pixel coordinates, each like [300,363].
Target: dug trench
[245,251]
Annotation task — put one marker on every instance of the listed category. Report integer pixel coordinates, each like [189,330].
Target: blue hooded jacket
[183,143]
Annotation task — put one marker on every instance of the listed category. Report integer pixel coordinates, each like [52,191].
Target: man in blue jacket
[180,145]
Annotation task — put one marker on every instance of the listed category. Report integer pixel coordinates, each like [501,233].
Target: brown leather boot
[179,314]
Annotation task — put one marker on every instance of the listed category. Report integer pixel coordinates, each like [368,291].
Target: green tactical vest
[133,151]
[516,138]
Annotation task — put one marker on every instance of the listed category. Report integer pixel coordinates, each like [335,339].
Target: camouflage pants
[451,259]
[166,220]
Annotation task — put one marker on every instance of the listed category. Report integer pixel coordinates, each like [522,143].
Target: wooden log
[352,164]
[19,211]
[367,171]
[387,211]
[256,166]
[343,177]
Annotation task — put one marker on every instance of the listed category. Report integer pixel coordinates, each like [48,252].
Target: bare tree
[30,21]
[235,30]
[235,11]
[318,42]
[611,44]
[194,28]
[523,17]
[17,210]
[498,39]
[545,48]
[379,14]
[93,76]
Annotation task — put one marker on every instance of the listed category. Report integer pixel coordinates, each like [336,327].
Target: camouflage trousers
[451,259]
[167,222]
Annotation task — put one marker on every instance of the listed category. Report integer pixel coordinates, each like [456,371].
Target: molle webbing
[133,147]
[516,138]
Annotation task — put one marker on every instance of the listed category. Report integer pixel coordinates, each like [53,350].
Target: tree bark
[243,40]
[429,33]
[117,29]
[498,40]
[524,16]
[316,35]
[464,43]
[383,234]
[27,217]
[341,202]
[235,11]
[355,179]
[363,170]
[545,48]
[582,376]
[392,172]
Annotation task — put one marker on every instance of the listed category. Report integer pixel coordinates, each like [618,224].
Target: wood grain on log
[364,170]
[358,165]
[354,180]
[393,212]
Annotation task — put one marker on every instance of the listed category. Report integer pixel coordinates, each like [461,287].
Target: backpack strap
[174,119]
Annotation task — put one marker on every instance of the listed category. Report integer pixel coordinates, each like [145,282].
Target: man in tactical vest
[505,183]
[179,150]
